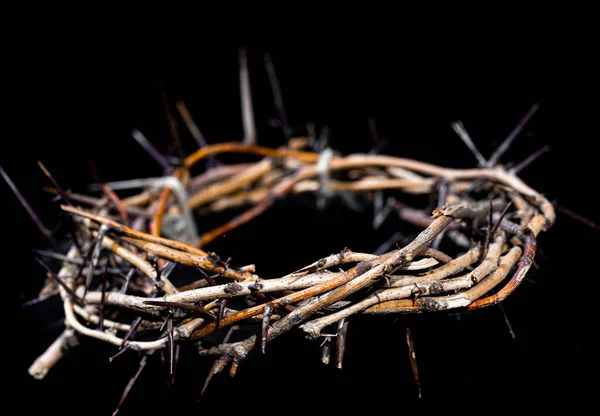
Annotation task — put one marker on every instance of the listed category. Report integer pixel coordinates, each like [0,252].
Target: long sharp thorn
[58,256]
[196,309]
[532,158]
[151,150]
[131,383]
[265,328]
[513,134]
[103,298]
[209,279]
[220,363]
[340,347]
[277,98]
[108,192]
[38,299]
[136,322]
[60,281]
[508,324]
[191,124]
[326,351]
[462,133]
[127,279]
[442,195]
[170,346]
[413,359]
[164,324]
[577,217]
[171,122]
[32,214]
[95,256]
[246,98]
[210,161]
[177,348]
[502,215]
[221,315]
[60,190]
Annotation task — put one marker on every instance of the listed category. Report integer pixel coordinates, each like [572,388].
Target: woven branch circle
[142,254]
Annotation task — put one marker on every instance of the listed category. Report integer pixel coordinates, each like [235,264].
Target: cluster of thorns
[125,280]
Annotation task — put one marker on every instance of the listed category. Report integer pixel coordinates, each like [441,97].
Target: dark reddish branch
[530,246]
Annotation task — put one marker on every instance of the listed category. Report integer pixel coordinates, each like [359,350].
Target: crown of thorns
[136,254]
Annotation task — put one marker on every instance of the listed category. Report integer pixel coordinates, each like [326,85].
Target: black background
[73,106]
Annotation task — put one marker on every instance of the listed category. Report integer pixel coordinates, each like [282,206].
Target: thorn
[246,98]
[221,315]
[265,328]
[510,328]
[108,192]
[95,256]
[442,195]
[513,134]
[132,382]
[191,124]
[136,322]
[60,190]
[577,217]
[340,347]
[219,364]
[177,348]
[127,279]
[171,122]
[518,168]
[326,351]
[208,278]
[32,214]
[382,211]
[502,215]
[164,324]
[151,150]
[277,98]
[38,299]
[102,299]
[413,359]
[60,282]
[170,347]
[196,309]
[462,133]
